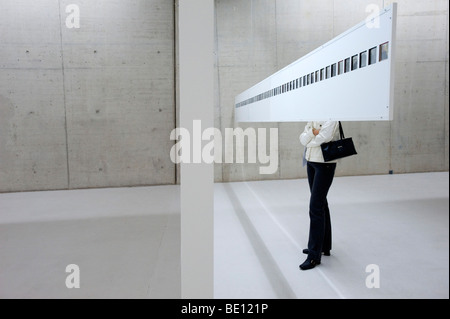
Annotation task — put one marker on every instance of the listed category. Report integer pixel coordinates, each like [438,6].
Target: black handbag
[338,149]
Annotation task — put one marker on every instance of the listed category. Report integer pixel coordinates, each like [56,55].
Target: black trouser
[320,177]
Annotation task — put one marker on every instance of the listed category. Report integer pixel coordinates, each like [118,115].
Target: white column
[196,86]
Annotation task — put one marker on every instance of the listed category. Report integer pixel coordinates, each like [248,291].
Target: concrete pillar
[196,74]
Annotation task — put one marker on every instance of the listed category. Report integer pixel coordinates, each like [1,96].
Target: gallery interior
[92,192]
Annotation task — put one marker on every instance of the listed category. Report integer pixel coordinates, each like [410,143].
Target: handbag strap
[341,131]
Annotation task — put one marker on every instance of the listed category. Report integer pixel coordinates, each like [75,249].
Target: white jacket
[329,131]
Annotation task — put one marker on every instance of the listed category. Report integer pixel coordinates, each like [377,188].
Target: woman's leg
[310,170]
[326,247]
[322,179]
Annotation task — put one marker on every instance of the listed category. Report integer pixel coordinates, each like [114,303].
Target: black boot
[309,264]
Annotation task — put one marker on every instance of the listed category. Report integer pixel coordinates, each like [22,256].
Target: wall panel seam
[64,95]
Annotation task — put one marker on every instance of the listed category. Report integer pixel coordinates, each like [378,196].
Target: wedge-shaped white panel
[350,78]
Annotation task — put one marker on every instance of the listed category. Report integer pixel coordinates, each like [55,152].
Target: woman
[320,177]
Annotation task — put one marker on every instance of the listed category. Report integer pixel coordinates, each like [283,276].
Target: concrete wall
[94,106]
[87,107]
[256,38]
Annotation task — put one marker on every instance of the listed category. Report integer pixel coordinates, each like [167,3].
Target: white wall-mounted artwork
[349,78]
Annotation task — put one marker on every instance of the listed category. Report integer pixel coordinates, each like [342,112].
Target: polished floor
[125,242]
[390,239]
[391,230]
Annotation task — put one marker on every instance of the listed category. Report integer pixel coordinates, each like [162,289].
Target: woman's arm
[307,134]
[325,135]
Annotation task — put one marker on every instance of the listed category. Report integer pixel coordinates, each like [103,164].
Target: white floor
[398,224]
[126,241]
